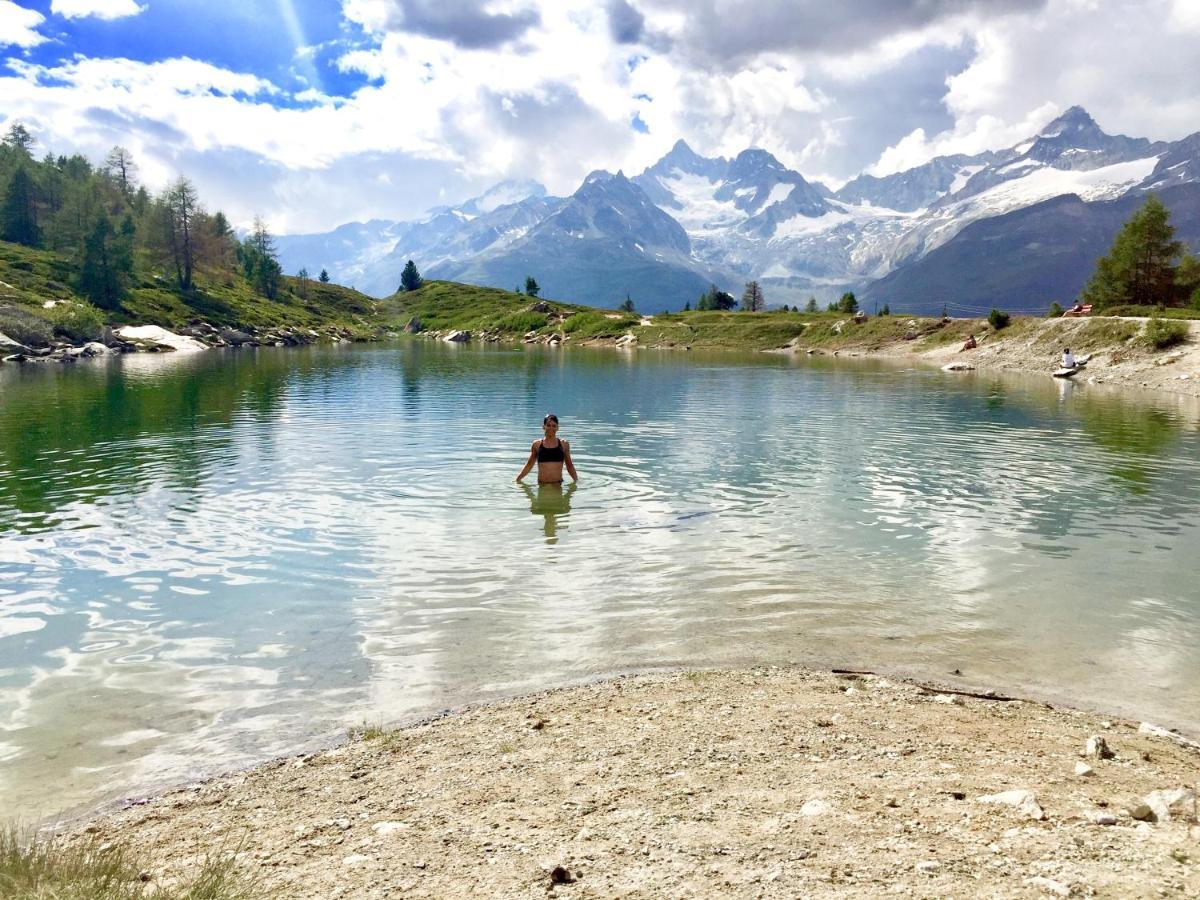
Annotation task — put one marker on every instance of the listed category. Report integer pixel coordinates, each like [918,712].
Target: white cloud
[18,24]
[554,95]
[101,9]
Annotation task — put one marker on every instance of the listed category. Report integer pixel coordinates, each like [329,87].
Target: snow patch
[779,193]
[700,210]
[962,177]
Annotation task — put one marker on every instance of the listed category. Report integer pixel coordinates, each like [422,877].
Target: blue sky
[312,114]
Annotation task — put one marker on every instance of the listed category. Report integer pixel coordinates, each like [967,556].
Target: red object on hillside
[1078,310]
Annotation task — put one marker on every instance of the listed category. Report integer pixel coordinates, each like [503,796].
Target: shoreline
[807,763]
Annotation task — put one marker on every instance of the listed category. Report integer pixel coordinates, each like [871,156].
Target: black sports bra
[550,454]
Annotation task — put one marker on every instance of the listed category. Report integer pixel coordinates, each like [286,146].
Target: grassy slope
[30,277]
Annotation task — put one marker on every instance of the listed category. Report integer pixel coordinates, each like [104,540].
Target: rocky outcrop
[153,339]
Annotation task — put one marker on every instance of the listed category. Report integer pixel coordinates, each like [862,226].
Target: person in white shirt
[1068,360]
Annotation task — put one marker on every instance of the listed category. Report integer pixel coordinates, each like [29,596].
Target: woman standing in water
[550,454]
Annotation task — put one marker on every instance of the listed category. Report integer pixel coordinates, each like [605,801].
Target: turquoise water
[211,559]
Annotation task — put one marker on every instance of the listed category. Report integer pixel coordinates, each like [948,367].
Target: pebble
[1083,770]
[383,829]
[355,859]
[1139,809]
[1102,818]
[928,866]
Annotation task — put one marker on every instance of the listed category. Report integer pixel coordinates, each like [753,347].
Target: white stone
[457,337]
[158,336]
[958,367]
[1023,801]
[1179,802]
[815,808]
[383,829]
[928,866]
[355,859]
[1083,770]
[1097,746]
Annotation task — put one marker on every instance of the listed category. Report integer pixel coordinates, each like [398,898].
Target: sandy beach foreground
[755,783]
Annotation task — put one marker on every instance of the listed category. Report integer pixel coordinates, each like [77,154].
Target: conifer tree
[752,298]
[1139,269]
[627,305]
[19,139]
[811,305]
[848,303]
[531,286]
[18,212]
[410,278]
[107,263]
[119,166]
[323,277]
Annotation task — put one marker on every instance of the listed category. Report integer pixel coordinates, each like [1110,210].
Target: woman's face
[550,427]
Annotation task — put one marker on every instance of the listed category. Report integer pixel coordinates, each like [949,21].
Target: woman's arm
[569,462]
[529,462]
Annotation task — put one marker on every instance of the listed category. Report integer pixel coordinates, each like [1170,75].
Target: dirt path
[758,783]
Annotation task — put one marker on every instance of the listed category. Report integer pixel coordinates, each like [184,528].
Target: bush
[25,327]
[1055,310]
[521,322]
[77,322]
[1162,333]
[998,320]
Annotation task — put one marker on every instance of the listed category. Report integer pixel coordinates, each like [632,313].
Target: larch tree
[18,211]
[1139,269]
[752,298]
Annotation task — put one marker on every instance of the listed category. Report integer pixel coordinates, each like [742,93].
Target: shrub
[77,322]
[1055,310]
[998,319]
[1162,333]
[521,322]
[25,327]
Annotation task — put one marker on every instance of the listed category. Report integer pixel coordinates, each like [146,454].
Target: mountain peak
[1075,119]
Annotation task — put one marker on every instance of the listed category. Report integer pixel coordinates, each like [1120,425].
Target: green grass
[584,326]
[1163,333]
[1170,312]
[447,305]
[367,731]
[29,277]
[94,870]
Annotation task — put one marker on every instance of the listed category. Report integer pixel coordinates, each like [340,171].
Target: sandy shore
[756,783]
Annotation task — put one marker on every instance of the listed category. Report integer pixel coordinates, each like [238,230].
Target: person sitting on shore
[1077,308]
[1068,359]
[550,454]
[970,344]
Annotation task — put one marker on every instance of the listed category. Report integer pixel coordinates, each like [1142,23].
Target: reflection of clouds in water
[354,552]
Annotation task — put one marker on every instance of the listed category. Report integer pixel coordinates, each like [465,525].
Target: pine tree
[687,307]
[531,286]
[410,278]
[848,303]
[105,265]
[19,139]
[811,305]
[323,277]
[886,311]
[261,261]
[627,305]
[18,212]
[1139,269]
[752,297]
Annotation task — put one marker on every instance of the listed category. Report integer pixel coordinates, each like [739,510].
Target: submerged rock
[457,337]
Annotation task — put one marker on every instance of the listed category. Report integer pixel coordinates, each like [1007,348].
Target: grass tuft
[51,869]
[367,731]
[1163,333]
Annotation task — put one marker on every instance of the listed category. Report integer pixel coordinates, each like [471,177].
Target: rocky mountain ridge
[687,220]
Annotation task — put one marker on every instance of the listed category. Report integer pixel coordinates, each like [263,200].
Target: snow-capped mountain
[605,242]
[689,219]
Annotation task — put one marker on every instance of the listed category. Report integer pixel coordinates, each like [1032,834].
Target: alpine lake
[212,559]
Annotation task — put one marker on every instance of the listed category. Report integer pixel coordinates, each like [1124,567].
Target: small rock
[948,698]
[1098,747]
[1023,801]
[958,367]
[815,808]
[1083,770]
[928,866]
[355,859]
[1138,809]
[457,337]
[1102,818]
[1049,885]
[561,875]
[1177,802]
[383,829]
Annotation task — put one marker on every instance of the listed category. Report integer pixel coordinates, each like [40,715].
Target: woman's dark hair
[551,417]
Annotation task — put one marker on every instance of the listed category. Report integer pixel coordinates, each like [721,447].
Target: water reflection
[222,556]
[553,503]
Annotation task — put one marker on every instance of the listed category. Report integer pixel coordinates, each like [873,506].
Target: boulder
[235,337]
[958,367]
[94,348]
[413,326]
[627,340]
[8,345]
[457,337]
[539,307]
[153,339]
[1097,747]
